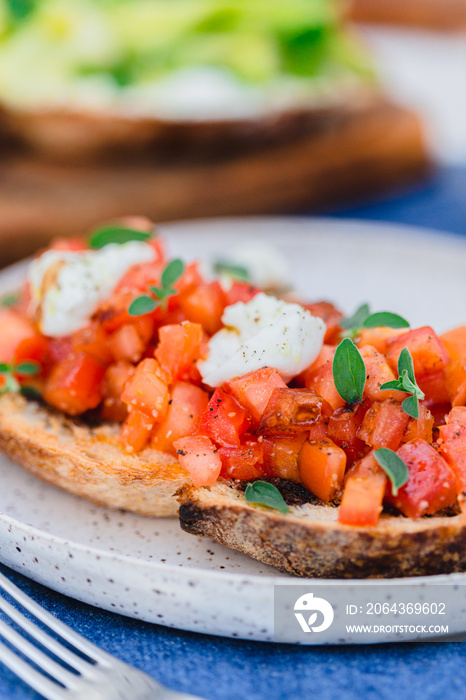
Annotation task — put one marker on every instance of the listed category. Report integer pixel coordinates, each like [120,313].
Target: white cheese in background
[264,332]
[266,266]
[68,286]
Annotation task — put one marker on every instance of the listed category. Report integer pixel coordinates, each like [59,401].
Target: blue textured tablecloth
[222,668]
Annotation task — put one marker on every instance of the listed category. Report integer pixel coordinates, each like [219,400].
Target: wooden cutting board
[362,152]
[431,14]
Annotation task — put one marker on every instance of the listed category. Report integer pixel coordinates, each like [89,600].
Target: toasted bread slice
[88,461]
[309,540]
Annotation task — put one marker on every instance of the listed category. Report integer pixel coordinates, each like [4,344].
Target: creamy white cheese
[67,286]
[264,332]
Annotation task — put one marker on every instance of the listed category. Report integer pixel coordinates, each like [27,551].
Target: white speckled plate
[148,568]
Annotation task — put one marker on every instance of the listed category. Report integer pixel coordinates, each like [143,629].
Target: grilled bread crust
[309,541]
[88,461]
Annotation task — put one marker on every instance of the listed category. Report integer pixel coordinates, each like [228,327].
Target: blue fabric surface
[222,668]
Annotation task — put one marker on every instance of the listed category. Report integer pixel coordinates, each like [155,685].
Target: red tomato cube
[428,352]
[199,456]
[147,390]
[322,468]
[224,420]
[431,482]
[186,406]
[254,389]
[75,385]
[384,425]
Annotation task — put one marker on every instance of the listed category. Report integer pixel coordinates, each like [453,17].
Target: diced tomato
[147,390]
[431,481]
[224,420]
[205,305]
[135,431]
[186,406]
[439,412]
[180,347]
[75,385]
[93,341]
[428,352]
[319,430]
[15,329]
[377,337]
[61,349]
[240,291]
[140,277]
[363,495]
[35,348]
[343,426]
[290,411]
[421,427]
[281,455]
[433,384]
[199,456]
[189,280]
[113,313]
[452,443]
[378,371]
[242,463]
[455,382]
[326,354]
[321,381]
[330,315]
[384,425]
[254,389]
[322,468]
[74,243]
[126,343]
[455,343]
[116,376]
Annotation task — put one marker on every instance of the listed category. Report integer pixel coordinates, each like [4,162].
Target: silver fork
[101,677]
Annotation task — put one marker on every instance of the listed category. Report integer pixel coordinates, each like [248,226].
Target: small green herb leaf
[261,493]
[28,368]
[172,273]
[145,304]
[411,406]
[357,319]
[385,318]
[9,300]
[349,372]
[406,382]
[236,271]
[116,234]
[393,466]
[405,364]
[4,367]
[142,305]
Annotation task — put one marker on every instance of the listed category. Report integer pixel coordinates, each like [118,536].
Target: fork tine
[33,653]
[45,639]
[83,645]
[29,675]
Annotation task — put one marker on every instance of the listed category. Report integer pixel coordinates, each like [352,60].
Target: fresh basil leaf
[411,406]
[236,271]
[357,319]
[172,273]
[405,364]
[261,493]
[4,367]
[27,367]
[393,466]
[9,300]
[116,234]
[142,305]
[349,372]
[385,318]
